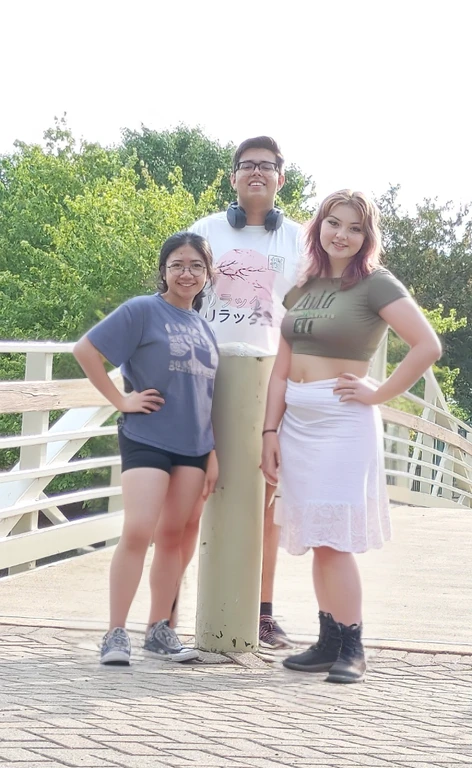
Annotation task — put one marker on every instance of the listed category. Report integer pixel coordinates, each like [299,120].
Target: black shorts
[135,455]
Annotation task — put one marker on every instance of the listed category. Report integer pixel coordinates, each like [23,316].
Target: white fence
[428,459]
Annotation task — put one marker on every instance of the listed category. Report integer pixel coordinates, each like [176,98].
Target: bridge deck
[58,707]
[418,589]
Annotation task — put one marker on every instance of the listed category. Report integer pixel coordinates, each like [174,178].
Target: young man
[256,255]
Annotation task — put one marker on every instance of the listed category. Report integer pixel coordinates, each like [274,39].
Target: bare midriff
[306,368]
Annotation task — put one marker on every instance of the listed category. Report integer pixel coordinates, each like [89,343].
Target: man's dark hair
[260,142]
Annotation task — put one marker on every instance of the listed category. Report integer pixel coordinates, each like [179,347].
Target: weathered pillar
[231,538]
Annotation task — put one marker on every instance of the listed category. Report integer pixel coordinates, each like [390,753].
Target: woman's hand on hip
[351,387]
[270,462]
[147,401]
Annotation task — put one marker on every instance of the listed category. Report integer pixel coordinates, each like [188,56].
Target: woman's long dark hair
[201,246]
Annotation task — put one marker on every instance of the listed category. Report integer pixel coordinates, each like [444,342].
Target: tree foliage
[431,253]
[79,234]
[201,160]
[444,325]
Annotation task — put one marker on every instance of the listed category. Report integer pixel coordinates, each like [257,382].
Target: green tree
[201,159]
[79,233]
[431,253]
[444,325]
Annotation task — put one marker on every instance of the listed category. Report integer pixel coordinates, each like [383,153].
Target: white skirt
[333,488]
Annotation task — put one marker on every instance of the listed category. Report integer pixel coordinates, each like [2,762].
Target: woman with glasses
[168,357]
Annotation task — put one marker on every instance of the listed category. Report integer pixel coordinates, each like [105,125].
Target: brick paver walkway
[58,707]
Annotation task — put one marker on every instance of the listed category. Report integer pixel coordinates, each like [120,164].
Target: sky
[359,94]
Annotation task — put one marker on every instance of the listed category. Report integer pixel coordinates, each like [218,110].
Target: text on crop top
[325,321]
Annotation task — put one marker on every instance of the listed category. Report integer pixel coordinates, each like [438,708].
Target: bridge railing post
[38,368]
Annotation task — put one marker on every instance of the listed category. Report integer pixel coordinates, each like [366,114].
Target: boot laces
[330,635]
[350,643]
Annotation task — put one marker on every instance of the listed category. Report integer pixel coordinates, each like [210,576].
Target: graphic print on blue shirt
[190,351]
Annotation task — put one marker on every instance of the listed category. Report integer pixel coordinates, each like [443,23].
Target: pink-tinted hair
[366,260]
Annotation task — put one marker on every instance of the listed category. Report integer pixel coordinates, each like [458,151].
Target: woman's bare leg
[190,537]
[174,536]
[319,584]
[144,491]
[337,585]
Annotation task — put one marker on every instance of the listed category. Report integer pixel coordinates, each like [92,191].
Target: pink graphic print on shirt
[245,282]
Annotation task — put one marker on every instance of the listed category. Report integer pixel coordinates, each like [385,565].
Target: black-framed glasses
[265,166]
[176,268]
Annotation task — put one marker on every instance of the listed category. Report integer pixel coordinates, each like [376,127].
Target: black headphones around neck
[238,220]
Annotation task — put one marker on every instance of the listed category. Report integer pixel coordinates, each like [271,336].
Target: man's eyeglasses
[178,269]
[249,166]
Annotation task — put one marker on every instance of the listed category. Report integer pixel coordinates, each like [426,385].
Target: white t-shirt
[255,269]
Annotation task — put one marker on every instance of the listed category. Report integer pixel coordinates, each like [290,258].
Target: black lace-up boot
[350,666]
[321,656]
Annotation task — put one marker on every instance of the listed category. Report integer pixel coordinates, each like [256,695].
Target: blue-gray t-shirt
[159,346]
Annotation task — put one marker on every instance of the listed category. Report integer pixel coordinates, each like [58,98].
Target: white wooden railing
[428,459]
[46,453]
[428,456]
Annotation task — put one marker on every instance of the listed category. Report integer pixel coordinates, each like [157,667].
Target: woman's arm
[92,364]
[406,319]
[275,408]
[275,405]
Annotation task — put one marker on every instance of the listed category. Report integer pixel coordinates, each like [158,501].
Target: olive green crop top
[323,320]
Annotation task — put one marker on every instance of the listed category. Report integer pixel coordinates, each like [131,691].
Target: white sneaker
[161,640]
[116,647]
